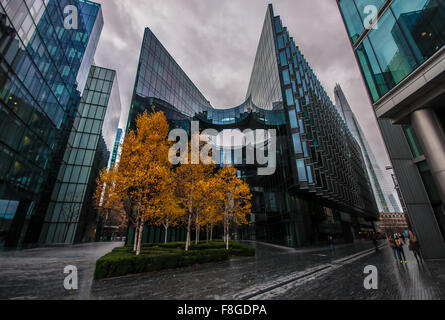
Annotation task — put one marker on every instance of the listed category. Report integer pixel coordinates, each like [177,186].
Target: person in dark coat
[414,246]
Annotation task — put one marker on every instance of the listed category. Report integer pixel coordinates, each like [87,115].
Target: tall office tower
[70,217]
[117,142]
[318,184]
[43,66]
[402,58]
[394,203]
[379,179]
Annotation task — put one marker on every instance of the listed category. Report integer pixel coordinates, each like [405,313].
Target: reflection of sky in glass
[112,117]
[400,7]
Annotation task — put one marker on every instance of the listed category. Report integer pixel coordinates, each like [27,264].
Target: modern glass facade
[42,67]
[116,147]
[319,186]
[406,35]
[383,193]
[402,61]
[88,151]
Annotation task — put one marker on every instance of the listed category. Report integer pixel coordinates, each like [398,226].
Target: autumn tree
[144,179]
[235,194]
[168,212]
[106,200]
[210,206]
[189,191]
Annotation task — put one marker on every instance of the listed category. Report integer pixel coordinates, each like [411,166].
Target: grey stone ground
[282,273]
[38,273]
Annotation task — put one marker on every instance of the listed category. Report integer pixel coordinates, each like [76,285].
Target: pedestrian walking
[331,244]
[414,246]
[393,245]
[403,238]
[374,241]
[400,251]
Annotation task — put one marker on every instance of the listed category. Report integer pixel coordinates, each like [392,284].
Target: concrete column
[431,137]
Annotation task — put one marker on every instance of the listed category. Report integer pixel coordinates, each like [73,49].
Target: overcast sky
[215,41]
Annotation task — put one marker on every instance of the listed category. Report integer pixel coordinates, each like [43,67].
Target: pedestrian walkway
[396,281]
[274,273]
[38,273]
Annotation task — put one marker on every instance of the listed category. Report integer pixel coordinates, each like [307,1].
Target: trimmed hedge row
[122,261]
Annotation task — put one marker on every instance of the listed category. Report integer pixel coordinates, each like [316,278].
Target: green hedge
[122,261]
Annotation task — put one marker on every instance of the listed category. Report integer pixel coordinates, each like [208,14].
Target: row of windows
[312,113]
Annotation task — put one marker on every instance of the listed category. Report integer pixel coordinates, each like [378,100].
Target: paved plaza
[274,273]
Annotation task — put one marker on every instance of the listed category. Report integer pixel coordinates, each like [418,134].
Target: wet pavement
[274,273]
[38,273]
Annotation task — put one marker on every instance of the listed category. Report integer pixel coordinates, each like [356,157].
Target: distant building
[116,148]
[394,203]
[383,193]
[391,222]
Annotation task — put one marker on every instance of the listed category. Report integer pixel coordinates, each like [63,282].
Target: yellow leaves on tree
[144,179]
[148,189]
[189,191]
[235,197]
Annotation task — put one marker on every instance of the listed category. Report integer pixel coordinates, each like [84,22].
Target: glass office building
[401,55]
[43,68]
[320,185]
[114,155]
[70,217]
[383,189]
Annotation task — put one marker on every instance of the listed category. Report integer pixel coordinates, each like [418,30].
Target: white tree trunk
[211,232]
[166,233]
[187,242]
[141,230]
[135,240]
[197,232]
[227,236]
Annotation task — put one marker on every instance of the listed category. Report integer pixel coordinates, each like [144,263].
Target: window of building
[371,70]
[297,143]
[423,24]
[413,142]
[293,119]
[392,51]
[289,97]
[301,170]
[352,19]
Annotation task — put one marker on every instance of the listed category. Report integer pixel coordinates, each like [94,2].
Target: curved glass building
[319,185]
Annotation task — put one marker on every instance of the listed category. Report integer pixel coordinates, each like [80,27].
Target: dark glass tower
[382,192]
[70,217]
[43,68]
[319,187]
